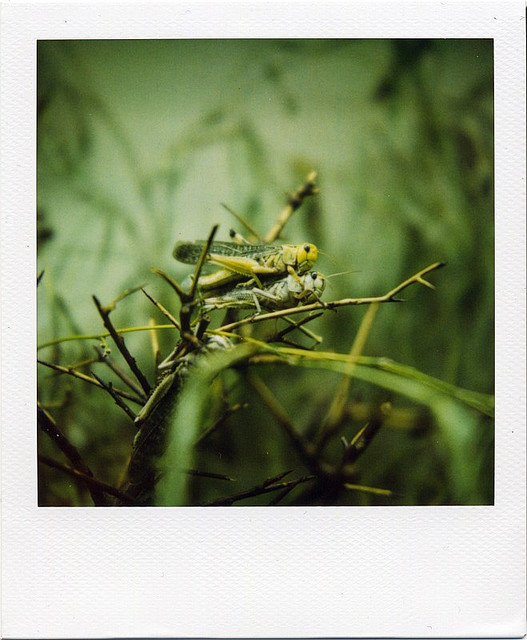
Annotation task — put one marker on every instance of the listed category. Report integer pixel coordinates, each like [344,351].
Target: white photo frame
[331,572]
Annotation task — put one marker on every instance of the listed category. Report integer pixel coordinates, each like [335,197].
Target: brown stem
[185,312]
[294,200]
[363,438]
[304,448]
[208,474]
[296,325]
[266,487]
[50,427]
[82,376]
[163,310]
[244,222]
[117,399]
[89,480]
[170,280]
[220,421]
[345,302]
[119,341]
[118,372]
[201,262]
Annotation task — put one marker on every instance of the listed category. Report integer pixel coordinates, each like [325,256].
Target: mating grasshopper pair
[276,277]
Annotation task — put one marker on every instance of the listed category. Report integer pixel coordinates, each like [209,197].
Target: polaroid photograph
[267,258]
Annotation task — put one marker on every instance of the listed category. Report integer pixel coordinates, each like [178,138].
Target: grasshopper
[240,261]
[155,418]
[282,294]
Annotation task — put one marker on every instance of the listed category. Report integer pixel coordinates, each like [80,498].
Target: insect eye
[314,275]
[307,248]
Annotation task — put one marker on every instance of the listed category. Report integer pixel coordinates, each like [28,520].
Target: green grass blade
[187,420]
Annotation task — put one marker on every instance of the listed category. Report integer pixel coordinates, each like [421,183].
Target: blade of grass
[187,420]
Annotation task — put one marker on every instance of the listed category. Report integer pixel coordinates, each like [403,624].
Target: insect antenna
[340,273]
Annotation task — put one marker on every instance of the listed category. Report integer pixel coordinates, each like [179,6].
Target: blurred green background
[139,143]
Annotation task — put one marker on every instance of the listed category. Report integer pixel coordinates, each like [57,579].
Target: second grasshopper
[284,293]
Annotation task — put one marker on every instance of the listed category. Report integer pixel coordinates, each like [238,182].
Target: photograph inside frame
[265,272]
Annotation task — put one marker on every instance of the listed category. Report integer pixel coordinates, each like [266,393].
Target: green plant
[219,372]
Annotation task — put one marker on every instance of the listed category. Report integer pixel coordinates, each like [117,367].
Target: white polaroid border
[258,572]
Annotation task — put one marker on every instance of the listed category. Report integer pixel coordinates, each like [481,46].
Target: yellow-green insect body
[247,261]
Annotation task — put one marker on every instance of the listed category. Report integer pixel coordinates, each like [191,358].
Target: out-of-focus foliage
[139,143]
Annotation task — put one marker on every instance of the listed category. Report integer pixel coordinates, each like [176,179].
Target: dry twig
[162,308]
[269,485]
[229,411]
[92,482]
[294,200]
[345,302]
[50,427]
[82,376]
[118,371]
[305,449]
[119,341]
[116,397]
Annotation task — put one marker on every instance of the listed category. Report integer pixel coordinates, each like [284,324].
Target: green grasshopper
[282,294]
[240,261]
[154,419]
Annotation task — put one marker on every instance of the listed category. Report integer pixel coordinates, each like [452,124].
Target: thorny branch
[116,397]
[244,222]
[208,474]
[331,478]
[119,341]
[187,298]
[163,310]
[93,484]
[345,302]
[269,485]
[82,376]
[364,436]
[229,411]
[118,371]
[50,427]
[305,450]
[294,200]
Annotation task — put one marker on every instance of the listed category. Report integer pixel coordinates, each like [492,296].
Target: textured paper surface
[303,572]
